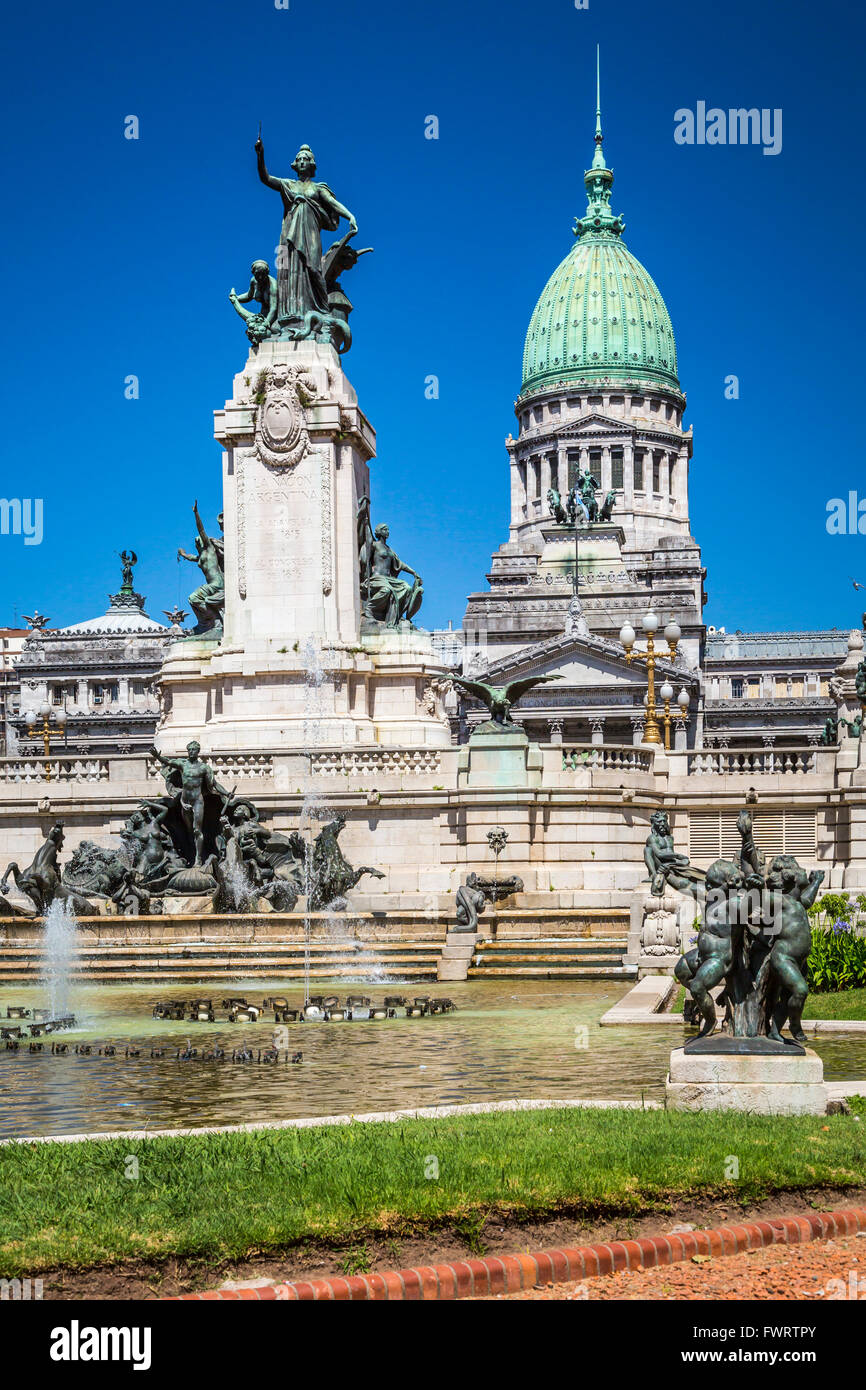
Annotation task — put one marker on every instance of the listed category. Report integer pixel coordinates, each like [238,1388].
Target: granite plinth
[757,1083]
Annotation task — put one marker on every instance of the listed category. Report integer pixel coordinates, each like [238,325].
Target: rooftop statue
[385,597]
[128,559]
[500,698]
[309,299]
[208,601]
[585,488]
[557,510]
[35,621]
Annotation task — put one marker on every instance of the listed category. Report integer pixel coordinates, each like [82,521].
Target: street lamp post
[47,731]
[650,625]
[667,694]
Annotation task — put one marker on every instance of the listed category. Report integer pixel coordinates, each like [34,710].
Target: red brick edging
[510,1273]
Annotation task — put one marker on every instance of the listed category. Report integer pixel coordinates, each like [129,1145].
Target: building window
[595,463]
[638,470]
[573,467]
[98,694]
[736,687]
[113,693]
[753,687]
[57,694]
[616,469]
[657,472]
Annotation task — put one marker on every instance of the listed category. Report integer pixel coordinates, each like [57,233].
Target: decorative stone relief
[282,438]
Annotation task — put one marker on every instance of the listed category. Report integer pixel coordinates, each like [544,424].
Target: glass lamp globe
[44,711]
[683,699]
[60,716]
[667,691]
[30,718]
[627,635]
[673,633]
[649,622]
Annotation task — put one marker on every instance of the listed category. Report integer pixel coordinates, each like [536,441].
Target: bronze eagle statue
[500,698]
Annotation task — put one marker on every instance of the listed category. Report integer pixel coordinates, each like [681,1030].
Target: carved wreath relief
[282,438]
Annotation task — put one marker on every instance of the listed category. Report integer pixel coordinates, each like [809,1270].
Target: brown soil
[820,1270]
[141,1279]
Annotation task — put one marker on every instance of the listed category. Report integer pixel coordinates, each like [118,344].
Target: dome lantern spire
[598,221]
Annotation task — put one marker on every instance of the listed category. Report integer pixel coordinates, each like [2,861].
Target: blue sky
[119,256]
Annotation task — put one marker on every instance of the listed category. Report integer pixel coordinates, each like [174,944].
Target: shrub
[837,959]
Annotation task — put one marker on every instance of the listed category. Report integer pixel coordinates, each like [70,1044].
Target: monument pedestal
[457,955]
[290,670]
[499,756]
[755,1082]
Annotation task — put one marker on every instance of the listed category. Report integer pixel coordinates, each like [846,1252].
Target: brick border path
[511,1273]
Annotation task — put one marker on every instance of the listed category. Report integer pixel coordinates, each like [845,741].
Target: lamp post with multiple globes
[47,732]
[672,633]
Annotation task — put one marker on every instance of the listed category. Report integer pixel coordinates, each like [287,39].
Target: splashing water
[61,931]
[313,808]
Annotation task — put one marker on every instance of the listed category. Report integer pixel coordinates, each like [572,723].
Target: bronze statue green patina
[557,510]
[499,699]
[754,938]
[330,873]
[208,601]
[660,856]
[386,598]
[304,308]
[191,778]
[263,289]
[585,488]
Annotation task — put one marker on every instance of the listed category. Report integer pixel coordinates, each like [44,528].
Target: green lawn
[226,1196]
[848,1003]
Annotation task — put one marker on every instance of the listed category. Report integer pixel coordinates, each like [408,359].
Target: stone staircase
[586,958]
[194,961]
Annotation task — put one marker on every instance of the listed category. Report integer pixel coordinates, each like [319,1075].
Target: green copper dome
[600,313]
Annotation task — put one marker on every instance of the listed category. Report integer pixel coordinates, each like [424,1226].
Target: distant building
[12,641]
[101,672]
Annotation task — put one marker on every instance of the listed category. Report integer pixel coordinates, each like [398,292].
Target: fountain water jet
[61,933]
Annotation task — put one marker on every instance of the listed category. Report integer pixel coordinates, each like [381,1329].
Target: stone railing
[622,757]
[751,761]
[383,762]
[241,766]
[62,769]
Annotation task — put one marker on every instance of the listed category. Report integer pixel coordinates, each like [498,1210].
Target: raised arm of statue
[263,173]
[199,523]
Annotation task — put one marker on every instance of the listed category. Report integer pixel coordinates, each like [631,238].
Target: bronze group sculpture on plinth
[754,940]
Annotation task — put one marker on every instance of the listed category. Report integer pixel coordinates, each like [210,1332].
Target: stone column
[554,730]
[605,469]
[628,476]
[638,726]
[562,469]
[545,480]
[597,728]
[665,475]
[679,483]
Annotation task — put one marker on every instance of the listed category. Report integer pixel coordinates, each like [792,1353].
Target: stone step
[596,972]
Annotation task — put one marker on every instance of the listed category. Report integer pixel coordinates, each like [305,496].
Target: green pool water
[512,1038]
